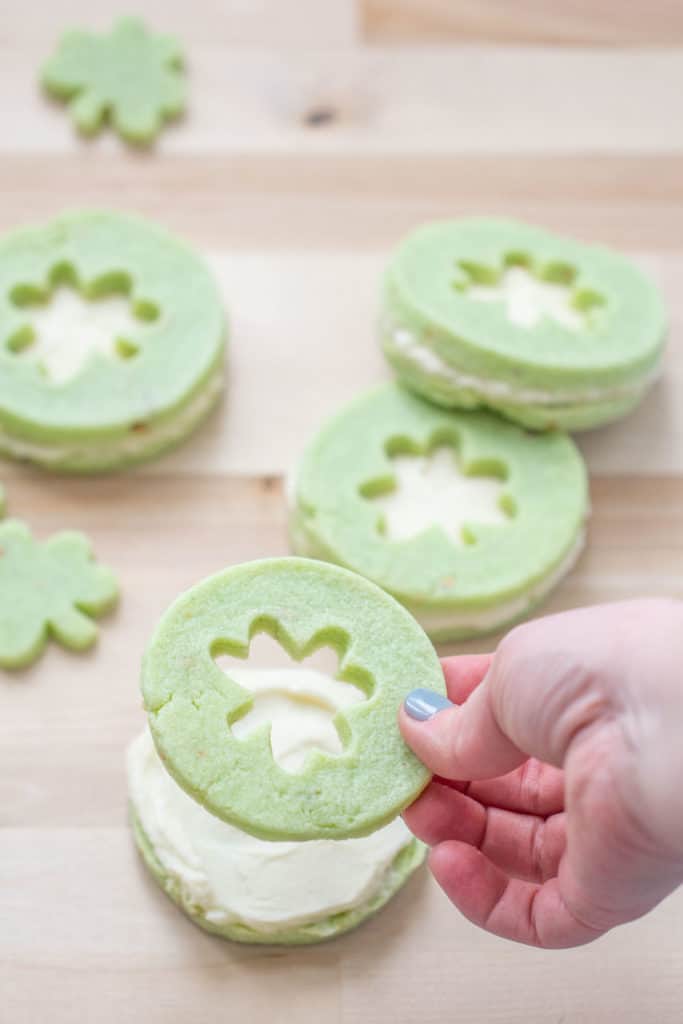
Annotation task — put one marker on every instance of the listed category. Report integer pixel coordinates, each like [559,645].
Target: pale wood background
[566,114]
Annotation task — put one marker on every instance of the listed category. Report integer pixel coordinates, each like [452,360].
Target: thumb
[543,688]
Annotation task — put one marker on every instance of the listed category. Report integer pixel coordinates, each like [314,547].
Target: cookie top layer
[192,703]
[601,321]
[174,346]
[527,516]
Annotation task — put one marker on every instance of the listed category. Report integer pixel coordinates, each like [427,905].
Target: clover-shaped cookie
[129,75]
[465,518]
[549,331]
[192,704]
[48,589]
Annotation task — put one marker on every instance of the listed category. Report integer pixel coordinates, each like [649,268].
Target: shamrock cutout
[300,707]
[531,293]
[432,489]
[48,589]
[68,320]
[129,75]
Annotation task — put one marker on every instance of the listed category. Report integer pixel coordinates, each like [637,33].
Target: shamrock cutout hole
[431,488]
[531,294]
[298,699]
[66,322]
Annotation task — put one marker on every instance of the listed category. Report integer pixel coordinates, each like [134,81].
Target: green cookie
[192,703]
[405,864]
[111,342]
[546,330]
[48,590]
[129,75]
[466,519]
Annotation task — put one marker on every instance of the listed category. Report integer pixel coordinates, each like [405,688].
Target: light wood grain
[573,22]
[84,926]
[367,100]
[297,220]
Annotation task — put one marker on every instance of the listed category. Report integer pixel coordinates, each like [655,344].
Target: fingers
[463,674]
[545,685]
[522,845]
[533,788]
[462,742]
[536,915]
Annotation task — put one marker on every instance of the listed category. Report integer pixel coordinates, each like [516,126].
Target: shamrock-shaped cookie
[129,75]
[48,589]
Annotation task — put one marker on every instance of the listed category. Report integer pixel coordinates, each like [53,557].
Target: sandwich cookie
[548,331]
[467,519]
[243,888]
[112,338]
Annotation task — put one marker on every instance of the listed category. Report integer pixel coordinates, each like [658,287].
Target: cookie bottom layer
[423,371]
[405,863]
[450,626]
[136,446]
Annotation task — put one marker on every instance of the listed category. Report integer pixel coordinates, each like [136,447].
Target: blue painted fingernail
[422,704]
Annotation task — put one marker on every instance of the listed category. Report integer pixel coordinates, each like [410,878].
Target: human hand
[556,811]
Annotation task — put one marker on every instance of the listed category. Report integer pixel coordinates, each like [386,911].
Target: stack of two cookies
[470,517]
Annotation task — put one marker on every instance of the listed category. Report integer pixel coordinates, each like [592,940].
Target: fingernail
[422,704]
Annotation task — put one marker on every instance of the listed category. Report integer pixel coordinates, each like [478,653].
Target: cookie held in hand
[195,708]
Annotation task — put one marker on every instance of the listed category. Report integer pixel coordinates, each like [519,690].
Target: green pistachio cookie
[195,708]
[546,330]
[256,891]
[466,519]
[111,342]
[130,76]
[50,589]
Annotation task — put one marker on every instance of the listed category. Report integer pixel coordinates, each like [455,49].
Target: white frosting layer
[432,490]
[506,611]
[233,877]
[300,706]
[68,329]
[134,444]
[425,358]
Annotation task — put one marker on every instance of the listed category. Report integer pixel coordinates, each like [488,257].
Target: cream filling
[68,330]
[432,490]
[528,300]
[233,877]
[424,357]
[506,611]
[135,443]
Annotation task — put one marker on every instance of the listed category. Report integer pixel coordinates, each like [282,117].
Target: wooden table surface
[319,132]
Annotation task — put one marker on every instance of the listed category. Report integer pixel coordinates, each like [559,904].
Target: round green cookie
[546,330]
[462,563]
[84,401]
[405,864]
[191,702]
